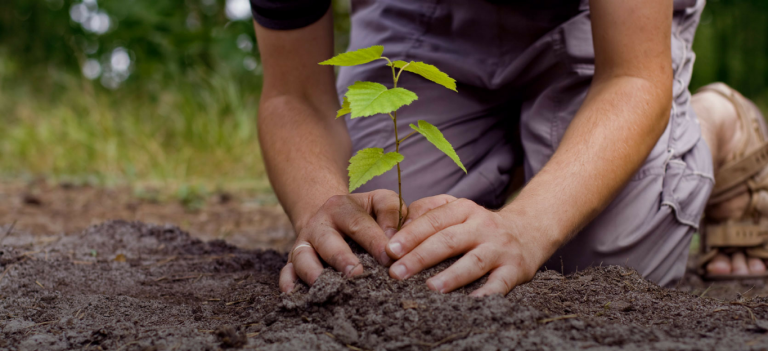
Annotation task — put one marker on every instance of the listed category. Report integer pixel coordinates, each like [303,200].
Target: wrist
[299,223]
[535,229]
[301,215]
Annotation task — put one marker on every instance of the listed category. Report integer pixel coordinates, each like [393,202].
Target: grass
[199,132]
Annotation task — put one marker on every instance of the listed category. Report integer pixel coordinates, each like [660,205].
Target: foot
[721,129]
[735,264]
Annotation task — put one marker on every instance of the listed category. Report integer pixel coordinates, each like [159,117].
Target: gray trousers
[523,70]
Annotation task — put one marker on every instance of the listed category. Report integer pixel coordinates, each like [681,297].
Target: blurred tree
[163,39]
[132,90]
[731,46]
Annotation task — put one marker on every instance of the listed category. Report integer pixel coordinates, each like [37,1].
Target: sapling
[364,99]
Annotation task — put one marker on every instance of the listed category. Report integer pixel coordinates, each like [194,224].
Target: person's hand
[370,219]
[442,226]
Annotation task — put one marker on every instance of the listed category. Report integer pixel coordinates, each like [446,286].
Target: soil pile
[131,286]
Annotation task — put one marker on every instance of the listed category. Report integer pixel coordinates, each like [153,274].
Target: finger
[386,207]
[447,243]
[351,219]
[467,269]
[306,265]
[288,278]
[500,282]
[450,214]
[422,206]
[330,245]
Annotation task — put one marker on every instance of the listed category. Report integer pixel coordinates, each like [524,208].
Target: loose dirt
[45,211]
[132,286]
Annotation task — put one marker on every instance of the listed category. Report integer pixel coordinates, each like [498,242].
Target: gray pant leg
[643,228]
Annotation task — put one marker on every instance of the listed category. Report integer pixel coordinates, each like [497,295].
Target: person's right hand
[369,219]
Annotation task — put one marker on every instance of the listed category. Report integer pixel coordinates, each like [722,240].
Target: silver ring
[297,247]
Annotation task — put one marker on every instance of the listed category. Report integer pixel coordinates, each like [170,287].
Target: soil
[133,286]
[46,211]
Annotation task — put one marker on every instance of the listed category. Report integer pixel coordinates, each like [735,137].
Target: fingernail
[437,284]
[390,232]
[399,271]
[396,248]
[384,258]
[406,222]
[348,270]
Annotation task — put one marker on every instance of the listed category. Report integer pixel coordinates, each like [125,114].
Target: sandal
[747,172]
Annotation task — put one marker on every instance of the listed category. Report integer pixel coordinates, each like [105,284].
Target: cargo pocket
[687,183]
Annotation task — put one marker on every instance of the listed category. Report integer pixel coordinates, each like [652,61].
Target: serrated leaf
[357,57]
[369,163]
[344,108]
[429,72]
[435,136]
[368,99]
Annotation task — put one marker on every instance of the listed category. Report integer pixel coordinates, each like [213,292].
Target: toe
[720,264]
[756,265]
[739,264]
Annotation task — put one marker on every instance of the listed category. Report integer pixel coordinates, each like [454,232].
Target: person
[587,101]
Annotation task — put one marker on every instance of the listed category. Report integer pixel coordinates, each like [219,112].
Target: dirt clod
[215,295]
[230,337]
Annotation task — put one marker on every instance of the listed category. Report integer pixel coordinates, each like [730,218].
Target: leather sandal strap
[736,234]
[759,204]
[759,252]
[741,170]
[705,257]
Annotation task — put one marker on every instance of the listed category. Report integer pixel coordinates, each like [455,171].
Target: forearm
[621,119]
[305,147]
[607,141]
[306,153]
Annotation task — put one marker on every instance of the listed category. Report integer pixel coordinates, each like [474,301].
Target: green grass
[200,131]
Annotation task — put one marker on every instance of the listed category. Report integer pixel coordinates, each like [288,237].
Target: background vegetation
[165,92]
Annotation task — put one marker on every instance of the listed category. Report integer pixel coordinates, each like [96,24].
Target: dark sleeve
[288,14]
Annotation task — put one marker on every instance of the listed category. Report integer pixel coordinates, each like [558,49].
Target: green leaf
[427,71]
[368,163]
[344,108]
[368,99]
[436,137]
[357,57]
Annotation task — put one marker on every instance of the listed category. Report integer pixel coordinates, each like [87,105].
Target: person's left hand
[442,226]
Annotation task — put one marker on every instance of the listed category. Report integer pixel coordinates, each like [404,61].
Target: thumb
[386,208]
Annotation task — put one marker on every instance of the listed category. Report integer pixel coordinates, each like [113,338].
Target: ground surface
[47,211]
[133,286]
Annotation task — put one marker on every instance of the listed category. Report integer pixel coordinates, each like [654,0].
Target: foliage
[186,111]
[199,133]
[184,114]
[345,109]
[357,57]
[165,39]
[436,137]
[427,71]
[368,99]
[365,99]
[731,46]
[369,163]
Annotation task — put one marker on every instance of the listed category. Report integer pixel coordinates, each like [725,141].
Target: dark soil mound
[131,286]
